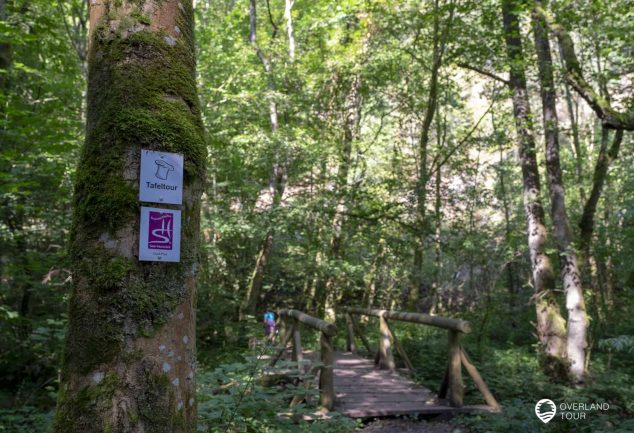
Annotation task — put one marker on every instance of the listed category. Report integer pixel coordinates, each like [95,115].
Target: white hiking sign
[161,179]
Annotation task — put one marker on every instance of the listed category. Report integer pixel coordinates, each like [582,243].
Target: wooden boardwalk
[355,387]
[363,391]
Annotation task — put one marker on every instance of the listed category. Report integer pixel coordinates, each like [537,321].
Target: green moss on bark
[87,408]
[156,405]
[143,19]
[121,299]
[141,95]
[94,336]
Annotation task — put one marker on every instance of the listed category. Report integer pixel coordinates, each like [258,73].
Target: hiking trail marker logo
[161,179]
[545,410]
[160,237]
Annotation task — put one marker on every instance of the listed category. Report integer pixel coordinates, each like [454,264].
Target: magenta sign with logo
[161,231]
[159,238]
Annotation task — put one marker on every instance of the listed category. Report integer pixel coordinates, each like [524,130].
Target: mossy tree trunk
[130,353]
[551,326]
[577,326]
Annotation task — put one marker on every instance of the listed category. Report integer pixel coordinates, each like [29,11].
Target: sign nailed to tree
[161,177]
[160,237]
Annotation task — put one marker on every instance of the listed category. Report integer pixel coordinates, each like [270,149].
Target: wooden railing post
[350,347]
[281,329]
[326,377]
[365,341]
[386,358]
[298,354]
[477,379]
[456,389]
[282,348]
[399,348]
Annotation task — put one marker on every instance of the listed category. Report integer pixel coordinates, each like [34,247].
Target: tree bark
[577,323]
[129,360]
[288,15]
[550,325]
[441,135]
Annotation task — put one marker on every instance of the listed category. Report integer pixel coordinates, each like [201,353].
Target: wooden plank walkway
[363,391]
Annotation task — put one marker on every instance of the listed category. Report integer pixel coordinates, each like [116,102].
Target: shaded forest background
[360,153]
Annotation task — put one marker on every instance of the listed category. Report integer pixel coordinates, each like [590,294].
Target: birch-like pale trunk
[551,327]
[577,324]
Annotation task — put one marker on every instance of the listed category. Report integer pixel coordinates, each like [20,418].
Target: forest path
[411,426]
[363,391]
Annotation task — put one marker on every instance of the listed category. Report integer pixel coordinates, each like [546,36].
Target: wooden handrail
[452,387]
[326,375]
[425,319]
[326,327]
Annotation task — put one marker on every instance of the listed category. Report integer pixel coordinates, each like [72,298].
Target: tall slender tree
[551,327]
[577,323]
[130,353]
[600,102]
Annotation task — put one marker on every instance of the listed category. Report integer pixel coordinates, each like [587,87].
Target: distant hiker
[269,325]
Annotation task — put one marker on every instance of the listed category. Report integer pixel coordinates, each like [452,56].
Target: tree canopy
[461,158]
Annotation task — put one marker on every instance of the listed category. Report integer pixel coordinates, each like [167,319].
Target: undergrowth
[514,376]
[249,396]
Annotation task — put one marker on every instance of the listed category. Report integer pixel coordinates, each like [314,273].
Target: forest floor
[411,426]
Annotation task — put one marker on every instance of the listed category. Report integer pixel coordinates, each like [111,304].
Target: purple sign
[160,231]
[160,235]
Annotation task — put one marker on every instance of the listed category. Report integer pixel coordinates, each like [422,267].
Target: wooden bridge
[362,388]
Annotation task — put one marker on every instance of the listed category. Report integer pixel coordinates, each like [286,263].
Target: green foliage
[40,131]
[26,418]
[518,383]
[622,343]
[475,263]
[232,398]
[29,359]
